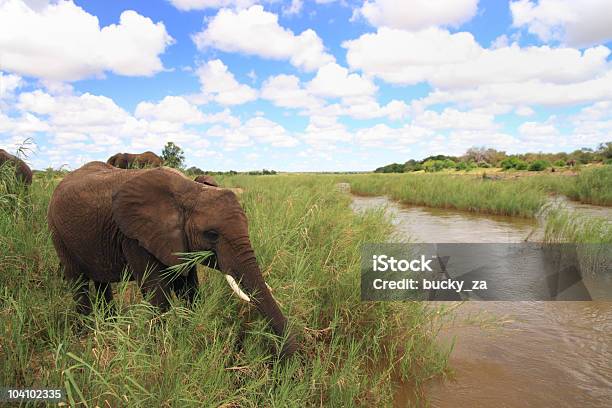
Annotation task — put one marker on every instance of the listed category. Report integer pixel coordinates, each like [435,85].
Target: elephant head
[116,159]
[169,214]
[206,179]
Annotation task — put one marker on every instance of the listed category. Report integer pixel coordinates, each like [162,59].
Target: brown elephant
[135,160]
[206,179]
[22,170]
[105,219]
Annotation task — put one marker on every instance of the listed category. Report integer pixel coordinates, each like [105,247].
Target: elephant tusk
[236,288]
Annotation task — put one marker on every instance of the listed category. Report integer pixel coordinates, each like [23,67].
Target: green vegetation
[506,197]
[539,165]
[593,186]
[513,163]
[565,226]
[173,156]
[487,158]
[307,241]
[523,196]
[590,186]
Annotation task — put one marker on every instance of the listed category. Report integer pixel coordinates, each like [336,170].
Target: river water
[536,354]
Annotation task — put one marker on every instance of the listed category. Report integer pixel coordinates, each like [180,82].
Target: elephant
[137,160]
[206,179]
[104,219]
[23,172]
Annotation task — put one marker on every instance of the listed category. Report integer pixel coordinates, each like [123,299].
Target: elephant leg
[186,287]
[104,292]
[148,272]
[82,296]
[80,283]
[73,274]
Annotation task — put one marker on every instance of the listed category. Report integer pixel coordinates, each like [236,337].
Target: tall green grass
[592,185]
[521,196]
[307,241]
[563,226]
[504,197]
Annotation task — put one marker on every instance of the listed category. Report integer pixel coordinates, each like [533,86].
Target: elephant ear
[148,208]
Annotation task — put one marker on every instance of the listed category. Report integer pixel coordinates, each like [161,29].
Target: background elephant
[135,160]
[206,179]
[22,170]
[142,219]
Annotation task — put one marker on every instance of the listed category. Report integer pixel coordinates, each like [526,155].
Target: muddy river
[535,354]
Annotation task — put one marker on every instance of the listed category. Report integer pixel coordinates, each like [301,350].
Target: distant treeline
[196,171]
[483,157]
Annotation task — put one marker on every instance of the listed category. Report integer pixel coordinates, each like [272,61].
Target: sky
[302,85]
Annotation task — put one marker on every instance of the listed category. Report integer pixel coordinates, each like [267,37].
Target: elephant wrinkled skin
[22,170]
[103,219]
[137,160]
[206,179]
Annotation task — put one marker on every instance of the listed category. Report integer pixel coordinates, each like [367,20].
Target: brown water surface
[538,354]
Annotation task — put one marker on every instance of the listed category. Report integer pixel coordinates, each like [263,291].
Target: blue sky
[311,85]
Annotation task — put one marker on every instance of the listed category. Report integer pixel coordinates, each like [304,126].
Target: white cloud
[187,5]
[61,41]
[254,31]
[456,60]
[451,118]
[524,111]
[355,93]
[170,109]
[325,131]
[263,130]
[335,81]
[368,108]
[418,14]
[382,135]
[535,92]
[538,132]
[255,130]
[593,124]
[573,22]
[22,126]
[294,8]
[286,91]
[8,84]
[220,85]
[71,124]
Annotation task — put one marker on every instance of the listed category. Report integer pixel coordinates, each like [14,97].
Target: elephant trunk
[253,282]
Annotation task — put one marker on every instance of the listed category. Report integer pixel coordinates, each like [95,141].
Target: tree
[483,154]
[173,156]
[194,171]
[605,150]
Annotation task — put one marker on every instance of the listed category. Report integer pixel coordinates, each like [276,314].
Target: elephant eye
[211,235]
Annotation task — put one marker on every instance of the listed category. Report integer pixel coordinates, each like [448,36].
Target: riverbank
[518,197]
[555,353]
[307,241]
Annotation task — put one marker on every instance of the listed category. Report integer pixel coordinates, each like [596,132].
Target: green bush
[432,166]
[521,165]
[539,165]
[484,165]
[608,162]
[513,163]
[560,163]
[461,166]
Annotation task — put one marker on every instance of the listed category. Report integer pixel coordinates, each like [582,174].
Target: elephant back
[22,170]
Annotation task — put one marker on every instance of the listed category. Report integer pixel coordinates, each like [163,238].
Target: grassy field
[307,241]
[513,194]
